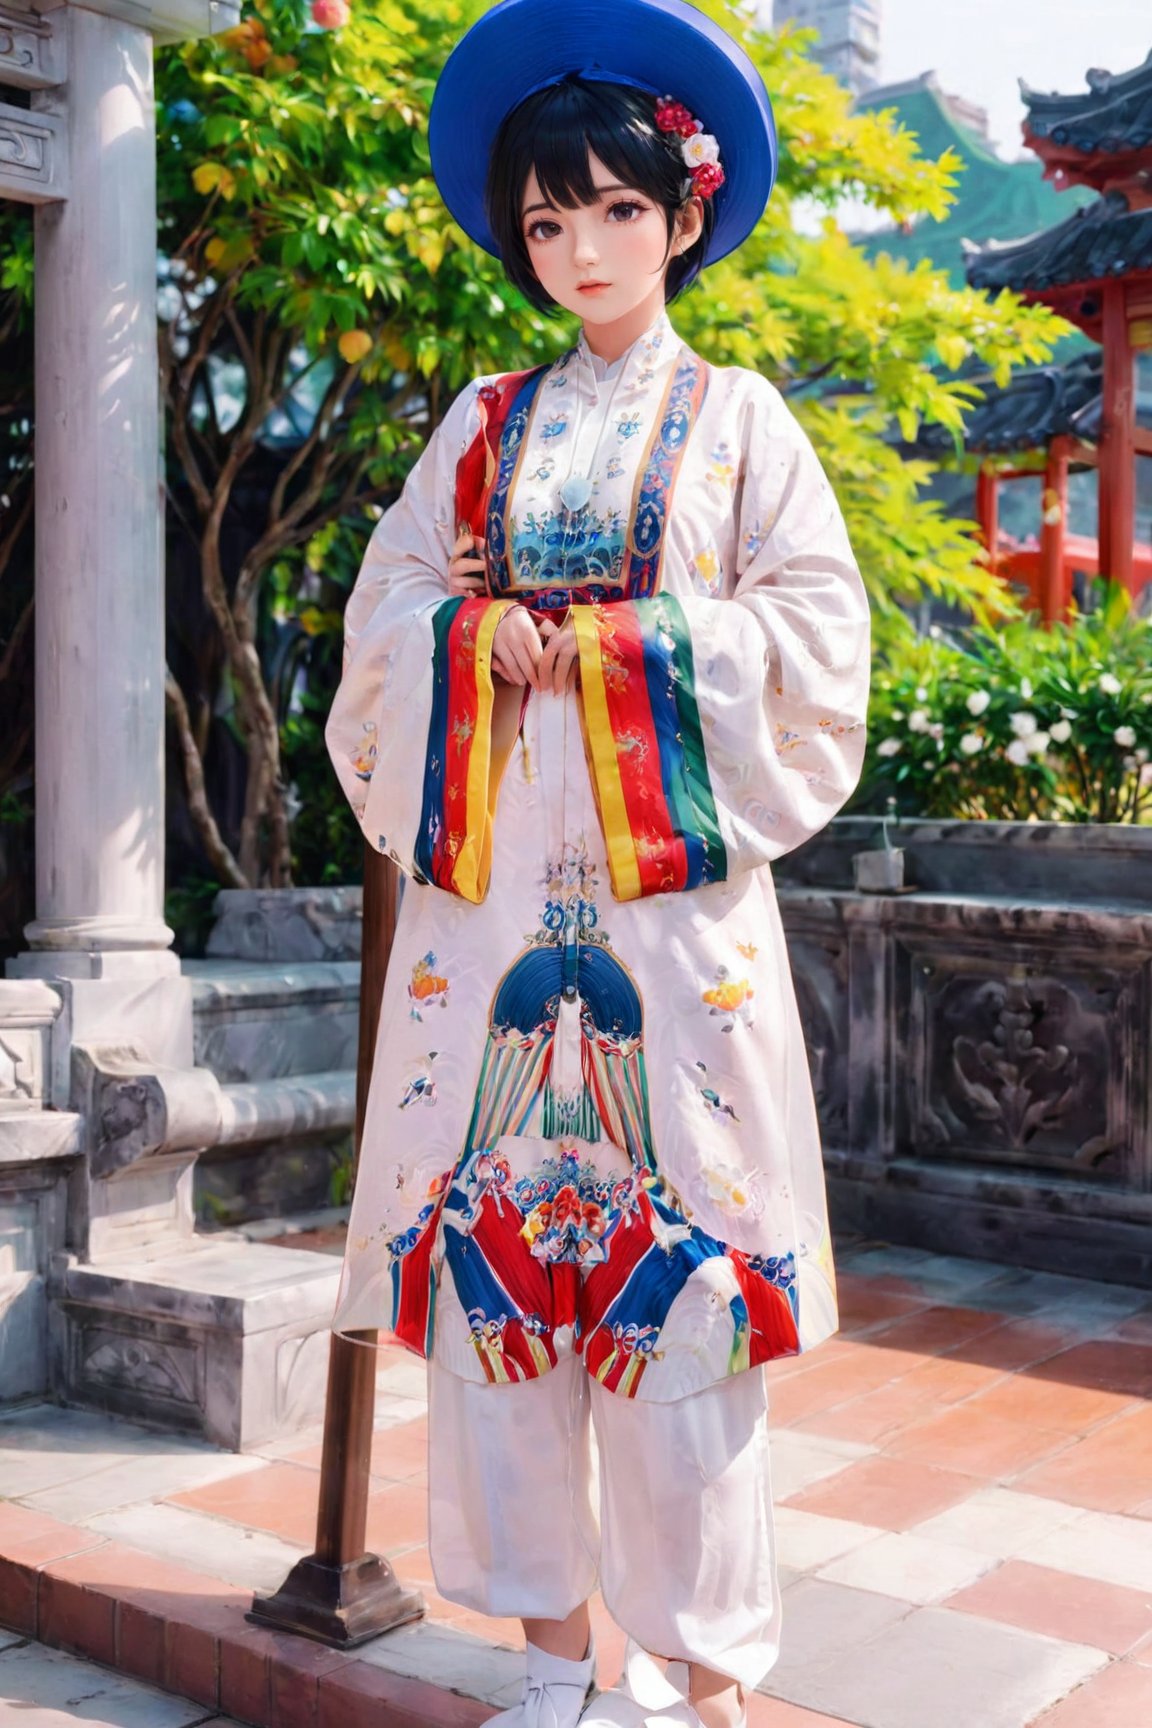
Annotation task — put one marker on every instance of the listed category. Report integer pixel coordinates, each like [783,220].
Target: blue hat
[662,46]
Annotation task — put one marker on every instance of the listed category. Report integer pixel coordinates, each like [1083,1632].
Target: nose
[584,249]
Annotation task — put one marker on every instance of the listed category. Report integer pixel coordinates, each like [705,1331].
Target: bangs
[553,133]
[563,143]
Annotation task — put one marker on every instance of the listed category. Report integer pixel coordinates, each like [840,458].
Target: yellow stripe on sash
[474,861]
[621,848]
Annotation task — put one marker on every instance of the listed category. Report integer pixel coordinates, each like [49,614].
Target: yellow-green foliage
[295,162]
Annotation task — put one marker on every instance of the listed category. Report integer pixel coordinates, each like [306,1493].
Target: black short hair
[553,132]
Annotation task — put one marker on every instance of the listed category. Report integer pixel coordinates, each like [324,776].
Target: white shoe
[646,1698]
[555,1691]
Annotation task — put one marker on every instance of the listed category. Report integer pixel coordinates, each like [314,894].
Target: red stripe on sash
[661,856]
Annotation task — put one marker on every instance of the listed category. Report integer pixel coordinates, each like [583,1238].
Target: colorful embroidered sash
[645,747]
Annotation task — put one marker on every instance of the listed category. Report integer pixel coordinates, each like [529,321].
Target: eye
[625,210]
[542,229]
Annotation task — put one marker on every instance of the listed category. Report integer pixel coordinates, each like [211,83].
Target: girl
[607,657]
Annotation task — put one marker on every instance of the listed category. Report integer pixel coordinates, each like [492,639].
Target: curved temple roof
[1039,404]
[1098,242]
[1113,116]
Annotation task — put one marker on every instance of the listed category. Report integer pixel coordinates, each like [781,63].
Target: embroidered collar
[650,354]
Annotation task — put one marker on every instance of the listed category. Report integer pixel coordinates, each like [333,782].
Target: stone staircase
[135,1258]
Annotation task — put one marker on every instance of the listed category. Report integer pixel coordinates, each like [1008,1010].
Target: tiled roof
[1100,241]
[1039,404]
[1113,115]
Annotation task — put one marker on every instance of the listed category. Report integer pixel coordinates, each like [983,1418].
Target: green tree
[319,311]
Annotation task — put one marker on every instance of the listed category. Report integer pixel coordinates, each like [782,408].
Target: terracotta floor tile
[397,1518]
[936,1329]
[1078,1610]
[862,1304]
[281,1498]
[1120,1696]
[892,1493]
[1015,1344]
[1137,1329]
[968,1440]
[1051,1404]
[1104,1362]
[400,1452]
[935,1382]
[835,1382]
[1109,1470]
[871,1418]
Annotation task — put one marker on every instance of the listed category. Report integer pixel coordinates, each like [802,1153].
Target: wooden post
[340,1594]
[1053,527]
[1117,447]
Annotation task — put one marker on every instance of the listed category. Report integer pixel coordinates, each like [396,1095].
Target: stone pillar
[99,574]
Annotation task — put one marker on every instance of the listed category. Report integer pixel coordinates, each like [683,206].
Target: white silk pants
[683,1543]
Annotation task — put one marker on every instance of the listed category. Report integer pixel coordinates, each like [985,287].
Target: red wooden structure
[1096,271]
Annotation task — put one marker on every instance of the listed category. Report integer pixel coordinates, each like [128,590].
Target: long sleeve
[723,732]
[409,732]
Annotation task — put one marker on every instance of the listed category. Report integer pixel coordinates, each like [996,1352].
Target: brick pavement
[964,1489]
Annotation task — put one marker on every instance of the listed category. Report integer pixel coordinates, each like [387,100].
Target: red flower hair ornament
[700,150]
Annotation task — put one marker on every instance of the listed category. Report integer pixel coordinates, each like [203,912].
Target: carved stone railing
[981,1042]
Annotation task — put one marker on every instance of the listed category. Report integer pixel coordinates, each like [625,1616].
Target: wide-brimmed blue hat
[663,46]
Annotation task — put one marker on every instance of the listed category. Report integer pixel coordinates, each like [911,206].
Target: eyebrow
[614,186]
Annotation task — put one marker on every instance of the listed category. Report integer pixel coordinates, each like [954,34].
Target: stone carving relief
[139,1364]
[820,976]
[1018,1068]
[20,1067]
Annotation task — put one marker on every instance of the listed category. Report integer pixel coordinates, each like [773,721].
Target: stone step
[265,1020]
[225,1338]
[281,1151]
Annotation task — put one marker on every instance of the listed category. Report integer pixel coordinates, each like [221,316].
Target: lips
[586,287]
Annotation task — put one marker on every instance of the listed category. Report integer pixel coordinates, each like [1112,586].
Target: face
[604,261]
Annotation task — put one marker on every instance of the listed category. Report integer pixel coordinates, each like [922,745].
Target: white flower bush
[1064,718]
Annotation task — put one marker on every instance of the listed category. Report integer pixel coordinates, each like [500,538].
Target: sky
[980,47]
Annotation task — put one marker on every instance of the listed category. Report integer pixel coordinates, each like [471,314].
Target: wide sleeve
[409,732]
[723,732]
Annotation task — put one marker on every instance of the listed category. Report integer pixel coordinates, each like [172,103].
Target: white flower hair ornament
[700,150]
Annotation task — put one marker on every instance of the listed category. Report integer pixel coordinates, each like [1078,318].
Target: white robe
[517,1139]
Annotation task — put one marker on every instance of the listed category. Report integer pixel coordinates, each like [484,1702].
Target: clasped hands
[543,655]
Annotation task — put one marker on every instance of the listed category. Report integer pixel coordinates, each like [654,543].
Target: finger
[530,658]
[562,671]
[507,669]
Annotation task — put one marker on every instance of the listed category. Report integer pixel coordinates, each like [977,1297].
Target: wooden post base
[339,1605]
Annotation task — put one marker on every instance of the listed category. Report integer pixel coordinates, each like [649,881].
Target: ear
[689,223]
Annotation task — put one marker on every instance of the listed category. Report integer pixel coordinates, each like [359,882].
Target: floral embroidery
[787,740]
[706,568]
[721,470]
[730,998]
[426,988]
[614,468]
[567,1207]
[364,760]
[627,426]
[555,427]
[731,1191]
[753,538]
